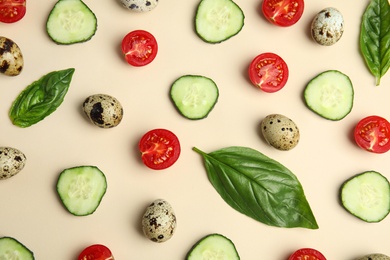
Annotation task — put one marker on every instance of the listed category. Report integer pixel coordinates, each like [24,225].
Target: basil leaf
[41,98]
[258,187]
[375,38]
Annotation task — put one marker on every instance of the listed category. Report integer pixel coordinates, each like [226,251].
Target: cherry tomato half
[139,48]
[283,12]
[372,133]
[12,10]
[269,72]
[160,148]
[96,252]
[307,254]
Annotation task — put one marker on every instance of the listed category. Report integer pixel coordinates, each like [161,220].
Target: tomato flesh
[96,252]
[307,254]
[283,12]
[372,133]
[269,72]
[160,149]
[12,10]
[139,48]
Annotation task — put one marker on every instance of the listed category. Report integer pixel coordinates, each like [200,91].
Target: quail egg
[159,221]
[327,26]
[12,161]
[140,5]
[374,257]
[103,110]
[280,132]
[11,58]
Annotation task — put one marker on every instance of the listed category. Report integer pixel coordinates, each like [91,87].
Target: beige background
[324,158]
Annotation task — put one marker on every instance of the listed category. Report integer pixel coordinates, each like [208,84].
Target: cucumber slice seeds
[81,189]
[10,248]
[71,21]
[330,95]
[218,20]
[367,196]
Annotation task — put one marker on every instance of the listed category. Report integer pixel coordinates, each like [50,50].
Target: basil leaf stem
[41,98]
[375,38]
[258,187]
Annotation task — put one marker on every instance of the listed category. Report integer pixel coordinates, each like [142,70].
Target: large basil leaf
[41,98]
[375,38]
[258,187]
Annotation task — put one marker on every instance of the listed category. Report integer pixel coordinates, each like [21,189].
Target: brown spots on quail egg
[12,161]
[375,257]
[280,132]
[103,110]
[327,26]
[159,221]
[11,58]
[140,5]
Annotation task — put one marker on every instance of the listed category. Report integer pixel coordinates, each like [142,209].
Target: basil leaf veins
[41,98]
[375,38]
[258,187]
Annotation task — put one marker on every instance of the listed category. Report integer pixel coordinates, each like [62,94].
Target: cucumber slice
[81,189]
[71,21]
[218,20]
[330,95]
[194,96]
[10,248]
[367,196]
[213,247]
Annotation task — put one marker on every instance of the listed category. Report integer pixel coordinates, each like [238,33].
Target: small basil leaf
[375,38]
[41,98]
[258,187]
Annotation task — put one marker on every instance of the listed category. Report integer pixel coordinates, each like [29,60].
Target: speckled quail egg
[159,221]
[374,257]
[140,5]
[103,110]
[11,58]
[280,132]
[12,161]
[327,26]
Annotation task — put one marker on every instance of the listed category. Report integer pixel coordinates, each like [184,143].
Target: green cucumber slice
[81,189]
[330,95]
[10,248]
[71,21]
[194,96]
[367,196]
[218,20]
[213,247]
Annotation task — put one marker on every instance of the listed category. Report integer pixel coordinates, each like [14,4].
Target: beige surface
[324,158]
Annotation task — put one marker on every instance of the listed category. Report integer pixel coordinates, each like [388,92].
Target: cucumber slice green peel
[81,189]
[71,21]
[213,247]
[10,248]
[367,196]
[218,20]
[194,96]
[330,95]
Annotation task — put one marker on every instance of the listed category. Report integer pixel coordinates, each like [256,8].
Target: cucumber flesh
[367,196]
[194,96]
[330,95]
[81,189]
[71,21]
[10,248]
[213,247]
[218,20]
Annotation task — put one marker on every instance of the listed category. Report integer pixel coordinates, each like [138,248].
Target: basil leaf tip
[259,187]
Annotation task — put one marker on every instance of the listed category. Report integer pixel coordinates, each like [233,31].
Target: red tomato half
[372,133]
[269,72]
[96,252]
[160,148]
[307,254]
[139,48]
[283,12]
[12,10]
